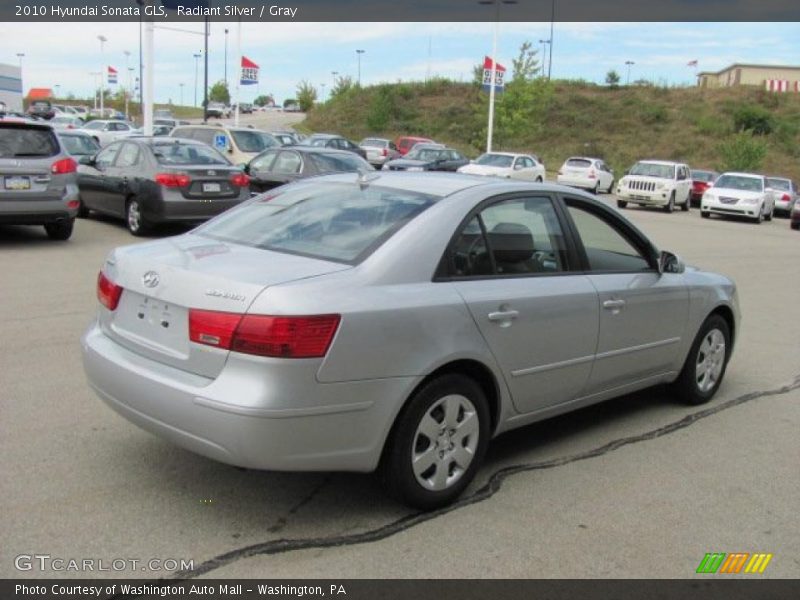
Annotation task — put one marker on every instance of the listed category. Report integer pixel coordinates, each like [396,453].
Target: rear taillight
[262,335]
[240,180]
[108,292]
[173,179]
[385,152]
[786,198]
[63,166]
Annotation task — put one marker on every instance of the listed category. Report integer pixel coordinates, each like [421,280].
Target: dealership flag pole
[239,72]
[147,84]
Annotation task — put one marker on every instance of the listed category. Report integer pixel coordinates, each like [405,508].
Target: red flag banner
[249,72]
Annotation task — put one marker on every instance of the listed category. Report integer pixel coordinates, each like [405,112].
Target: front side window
[287,163]
[520,236]
[340,222]
[607,248]
[128,156]
[105,157]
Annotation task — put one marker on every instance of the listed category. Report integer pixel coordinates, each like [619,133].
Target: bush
[653,113]
[742,152]
[753,118]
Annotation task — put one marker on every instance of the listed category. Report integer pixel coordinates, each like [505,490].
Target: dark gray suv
[38,179]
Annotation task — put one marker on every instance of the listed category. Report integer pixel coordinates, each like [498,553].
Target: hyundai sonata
[398,322]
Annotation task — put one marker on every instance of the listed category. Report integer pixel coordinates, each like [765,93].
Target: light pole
[197,55]
[492,82]
[544,44]
[128,85]
[334,73]
[359,53]
[131,87]
[628,63]
[226,57]
[57,86]
[103,40]
[181,86]
[552,22]
[322,95]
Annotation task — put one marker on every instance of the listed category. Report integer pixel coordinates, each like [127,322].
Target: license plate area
[212,188]
[17,183]
[153,323]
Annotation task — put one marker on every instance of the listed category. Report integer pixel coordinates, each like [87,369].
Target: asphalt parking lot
[637,487]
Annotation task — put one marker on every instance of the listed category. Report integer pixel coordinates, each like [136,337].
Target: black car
[328,140]
[428,158]
[277,166]
[41,109]
[151,180]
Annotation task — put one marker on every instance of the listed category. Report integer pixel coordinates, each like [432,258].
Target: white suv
[656,183]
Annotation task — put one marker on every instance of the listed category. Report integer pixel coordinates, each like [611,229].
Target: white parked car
[591,174]
[785,194]
[105,132]
[739,194]
[656,183]
[506,164]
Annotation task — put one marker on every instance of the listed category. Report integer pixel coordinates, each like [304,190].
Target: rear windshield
[779,184]
[94,125]
[21,141]
[653,170]
[80,145]
[424,154]
[581,163]
[170,153]
[253,141]
[341,222]
[739,182]
[333,163]
[702,176]
[494,160]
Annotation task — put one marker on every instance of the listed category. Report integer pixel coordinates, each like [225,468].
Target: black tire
[621,204]
[83,212]
[396,470]
[60,230]
[686,205]
[596,189]
[610,187]
[137,226]
[795,224]
[670,205]
[768,216]
[759,219]
[539,180]
[705,214]
[686,386]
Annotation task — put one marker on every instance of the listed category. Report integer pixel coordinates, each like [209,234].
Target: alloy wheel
[710,360]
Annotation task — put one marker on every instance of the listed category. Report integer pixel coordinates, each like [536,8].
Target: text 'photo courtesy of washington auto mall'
[445,299]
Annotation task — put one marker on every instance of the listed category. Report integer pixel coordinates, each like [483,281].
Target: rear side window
[21,142]
[128,156]
[337,163]
[331,221]
[520,236]
[79,145]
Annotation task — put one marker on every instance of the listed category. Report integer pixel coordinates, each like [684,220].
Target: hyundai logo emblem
[150,279]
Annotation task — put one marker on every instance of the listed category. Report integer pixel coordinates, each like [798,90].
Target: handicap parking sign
[220,141]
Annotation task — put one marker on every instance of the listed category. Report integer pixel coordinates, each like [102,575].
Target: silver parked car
[397,321]
[37,179]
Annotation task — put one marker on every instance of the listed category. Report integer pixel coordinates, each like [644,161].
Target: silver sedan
[397,322]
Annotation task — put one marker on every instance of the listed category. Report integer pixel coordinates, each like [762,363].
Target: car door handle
[612,304]
[503,315]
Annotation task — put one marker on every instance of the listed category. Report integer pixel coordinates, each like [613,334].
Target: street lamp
[322,95]
[334,73]
[226,57]
[544,53]
[496,4]
[196,64]
[181,86]
[103,40]
[552,23]
[628,63]
[359,53]
[57,86]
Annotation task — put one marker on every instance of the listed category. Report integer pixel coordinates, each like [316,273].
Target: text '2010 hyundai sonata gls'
[398,322]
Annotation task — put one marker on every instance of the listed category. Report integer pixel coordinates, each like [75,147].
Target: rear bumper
[193,210]
[38,210]
[246,417]
[578,182]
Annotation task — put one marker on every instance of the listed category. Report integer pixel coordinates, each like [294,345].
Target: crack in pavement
[489,489]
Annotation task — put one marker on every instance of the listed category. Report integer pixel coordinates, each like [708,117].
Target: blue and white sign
[221,142]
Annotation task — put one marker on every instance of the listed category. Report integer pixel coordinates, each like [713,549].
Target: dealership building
[783,78]
[11,86]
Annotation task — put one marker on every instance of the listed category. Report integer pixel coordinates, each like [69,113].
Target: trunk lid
[163,280]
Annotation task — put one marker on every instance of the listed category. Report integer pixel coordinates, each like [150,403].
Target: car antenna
[365,177]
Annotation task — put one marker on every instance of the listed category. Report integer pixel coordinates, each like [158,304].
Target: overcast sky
[66,53]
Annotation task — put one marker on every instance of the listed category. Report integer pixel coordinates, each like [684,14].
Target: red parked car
[701,181]
[405,143]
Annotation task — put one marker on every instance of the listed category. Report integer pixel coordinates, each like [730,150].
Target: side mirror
[670,263]
[86,160]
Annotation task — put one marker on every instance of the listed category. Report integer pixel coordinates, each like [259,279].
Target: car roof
[312,150]
[742,174]
[507,153]
[781,177]
[669,163]
[582,158]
